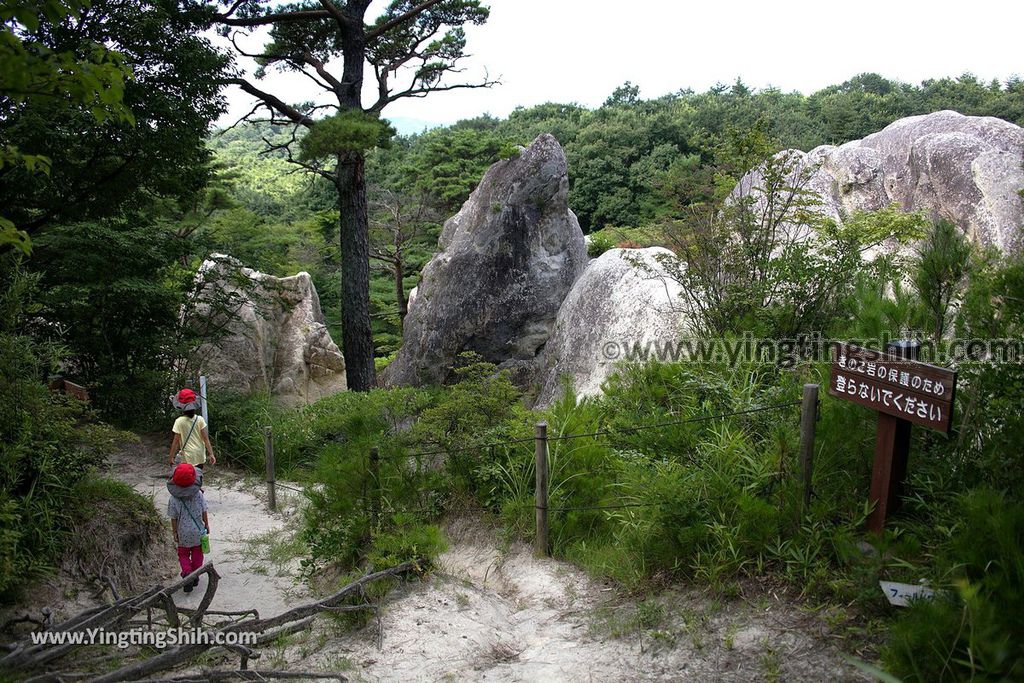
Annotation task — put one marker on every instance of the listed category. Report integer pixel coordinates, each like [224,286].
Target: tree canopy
[155,147]
[634,160]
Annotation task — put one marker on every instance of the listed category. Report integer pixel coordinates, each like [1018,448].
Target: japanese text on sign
[914,391]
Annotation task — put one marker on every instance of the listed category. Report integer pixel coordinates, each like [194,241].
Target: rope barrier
[563,437]
[420,454]
[601,432]
[606,507]
[657,425]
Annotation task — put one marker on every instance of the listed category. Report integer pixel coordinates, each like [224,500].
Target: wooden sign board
[63,386]
[910,390]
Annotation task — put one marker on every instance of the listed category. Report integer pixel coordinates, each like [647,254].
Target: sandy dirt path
[239,524]
[494,612]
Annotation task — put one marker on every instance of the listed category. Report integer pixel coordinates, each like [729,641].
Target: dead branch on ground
[121,614]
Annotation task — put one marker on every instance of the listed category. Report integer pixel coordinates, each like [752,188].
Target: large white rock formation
[625,300]
[506,262]
[267,334]
[966,169]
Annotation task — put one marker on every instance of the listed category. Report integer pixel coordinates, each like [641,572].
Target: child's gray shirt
[189,532]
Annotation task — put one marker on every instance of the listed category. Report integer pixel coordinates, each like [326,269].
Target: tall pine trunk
[356,335]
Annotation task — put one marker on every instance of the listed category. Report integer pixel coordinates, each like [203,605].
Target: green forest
[118,178]
[633,164]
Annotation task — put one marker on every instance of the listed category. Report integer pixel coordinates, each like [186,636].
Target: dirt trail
[239,523]
[493,614]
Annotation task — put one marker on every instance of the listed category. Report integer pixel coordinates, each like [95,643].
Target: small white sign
[900,594]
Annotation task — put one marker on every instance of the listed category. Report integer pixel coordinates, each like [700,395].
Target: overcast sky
[580,50]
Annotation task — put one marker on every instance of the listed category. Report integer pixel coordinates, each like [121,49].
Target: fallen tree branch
[222,613]
[185,653]
[26,619]
[172,610]
[328,602]
[213,579]
[274,634]
[27,656]
[215,676]
[211,586]
[109,618]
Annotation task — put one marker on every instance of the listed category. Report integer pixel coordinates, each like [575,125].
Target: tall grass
[709,500]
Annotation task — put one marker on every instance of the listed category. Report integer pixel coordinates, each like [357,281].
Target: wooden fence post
[540,437]
[892,449]
[374,485]
[268,448]
[808,428]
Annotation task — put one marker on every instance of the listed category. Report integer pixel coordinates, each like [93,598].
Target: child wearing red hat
[191,441]
[186,508]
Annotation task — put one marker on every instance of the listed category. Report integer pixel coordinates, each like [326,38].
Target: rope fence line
[423,510]
[374,493]
[480,508]
[618,506]
[252,470]
[543,510]
[600,432]
[448,451]
[657,425]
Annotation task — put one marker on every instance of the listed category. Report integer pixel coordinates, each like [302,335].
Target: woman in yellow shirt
[191,441]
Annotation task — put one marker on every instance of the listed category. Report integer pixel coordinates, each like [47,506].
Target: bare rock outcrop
[267,334]
[506,262]
[624,302]
[965,169]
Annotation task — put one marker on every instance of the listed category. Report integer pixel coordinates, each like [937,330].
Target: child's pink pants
[190,559]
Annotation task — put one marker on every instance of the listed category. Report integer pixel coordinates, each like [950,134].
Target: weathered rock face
[623,300]
[410,300]
[274,339]
[507,260]
[965,169]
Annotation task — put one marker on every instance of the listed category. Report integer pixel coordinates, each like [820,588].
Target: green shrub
[43,456]
[973,631]
[42,453]
[334,436]
[987,451]
[599,243]
[407,539]
[236,427]
[702,498]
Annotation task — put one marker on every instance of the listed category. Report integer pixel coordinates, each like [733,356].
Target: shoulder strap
[199,526]
[195,421]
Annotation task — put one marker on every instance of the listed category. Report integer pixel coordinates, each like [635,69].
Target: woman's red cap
[184,475]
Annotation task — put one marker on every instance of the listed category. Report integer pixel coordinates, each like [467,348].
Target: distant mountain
[408,126]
